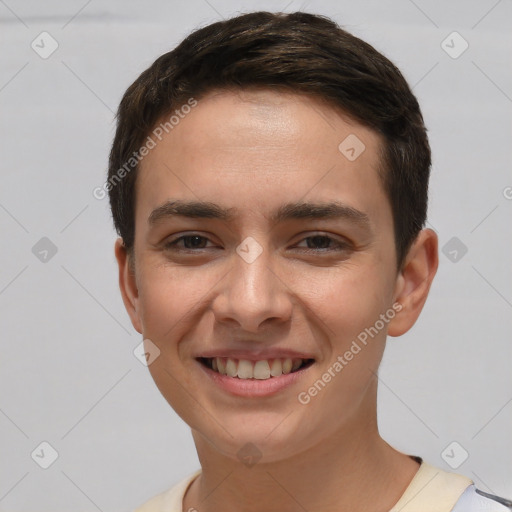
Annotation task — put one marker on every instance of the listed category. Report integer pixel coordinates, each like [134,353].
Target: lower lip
[253,388]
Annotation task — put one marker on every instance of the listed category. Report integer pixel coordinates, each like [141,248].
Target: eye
[325,243]
[190,242]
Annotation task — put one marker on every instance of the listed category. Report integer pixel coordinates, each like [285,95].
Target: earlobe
[127,284]
[414,281]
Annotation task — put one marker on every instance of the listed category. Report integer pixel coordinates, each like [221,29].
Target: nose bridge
[252,292]
[256,279]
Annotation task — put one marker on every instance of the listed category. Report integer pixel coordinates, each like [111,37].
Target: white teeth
[261,370]
[221,365]
[245,369]
[296,364]
[287,366]
[277,368]
[231,368]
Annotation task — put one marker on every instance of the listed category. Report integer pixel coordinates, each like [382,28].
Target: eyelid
[342,242]
[173,241]
[318,232]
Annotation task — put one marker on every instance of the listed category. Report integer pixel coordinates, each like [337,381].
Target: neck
[353,469]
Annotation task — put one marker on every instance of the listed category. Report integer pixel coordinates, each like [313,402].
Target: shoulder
[436,490]
[474,500]
[170,500]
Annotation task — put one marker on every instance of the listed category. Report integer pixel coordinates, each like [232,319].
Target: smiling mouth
[258,370]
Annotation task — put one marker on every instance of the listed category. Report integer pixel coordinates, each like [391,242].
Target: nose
[253,294]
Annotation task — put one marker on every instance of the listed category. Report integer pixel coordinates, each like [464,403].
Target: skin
[256,150]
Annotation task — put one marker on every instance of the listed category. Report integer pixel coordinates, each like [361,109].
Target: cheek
[170,304]
[347,300]
[169,298]
[348,307]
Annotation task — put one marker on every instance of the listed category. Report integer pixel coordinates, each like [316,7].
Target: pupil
[196,238]
[317,241]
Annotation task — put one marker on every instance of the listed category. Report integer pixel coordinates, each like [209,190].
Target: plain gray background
[68,373]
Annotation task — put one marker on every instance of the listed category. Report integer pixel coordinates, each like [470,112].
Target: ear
[414,280]
[127,284]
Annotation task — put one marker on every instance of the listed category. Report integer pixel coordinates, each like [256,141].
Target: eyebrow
[289,211]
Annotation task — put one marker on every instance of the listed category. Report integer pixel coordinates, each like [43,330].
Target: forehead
[256,148]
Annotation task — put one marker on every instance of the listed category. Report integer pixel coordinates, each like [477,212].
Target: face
[262,244]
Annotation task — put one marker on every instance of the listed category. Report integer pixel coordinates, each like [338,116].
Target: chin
[259,441]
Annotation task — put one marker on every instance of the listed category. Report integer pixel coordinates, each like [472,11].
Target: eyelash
[341,246]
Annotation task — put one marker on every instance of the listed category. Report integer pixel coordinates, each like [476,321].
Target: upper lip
[255,355]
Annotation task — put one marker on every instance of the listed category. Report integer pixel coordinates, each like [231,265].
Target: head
[277,124]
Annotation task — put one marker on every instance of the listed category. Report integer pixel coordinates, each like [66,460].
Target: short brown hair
[298,52]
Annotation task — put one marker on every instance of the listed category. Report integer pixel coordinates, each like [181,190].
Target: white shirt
[471,501]
[431,490]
